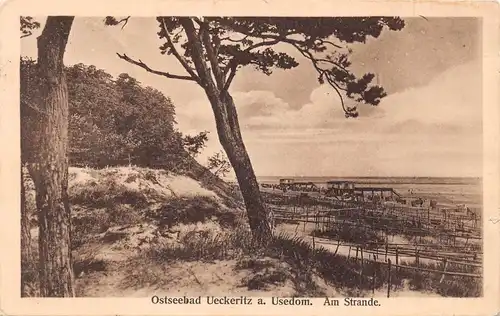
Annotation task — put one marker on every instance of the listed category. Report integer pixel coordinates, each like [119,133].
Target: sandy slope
[115,209]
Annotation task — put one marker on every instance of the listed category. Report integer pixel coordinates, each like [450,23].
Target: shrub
[453,286]
[192,210]
[105,193]
[84,226]
[360,235]
[123,214]
[262,279]
[86,261]
[203,246]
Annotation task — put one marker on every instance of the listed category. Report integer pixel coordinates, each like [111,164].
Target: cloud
[432,130]
[263,110]
[451,102]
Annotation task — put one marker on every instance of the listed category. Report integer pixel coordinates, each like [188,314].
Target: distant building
[343,189]
[341,185]
[348,189]
[287,181]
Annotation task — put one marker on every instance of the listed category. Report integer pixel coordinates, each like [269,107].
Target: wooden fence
[394,269]
[389,220]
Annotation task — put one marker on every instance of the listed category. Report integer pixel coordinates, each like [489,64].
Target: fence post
[397,256]
[445,264]
[389,278]
[307,218]
[374,273]
[357,249]
[362,269]
[349,254]
[361,259]
[386,250]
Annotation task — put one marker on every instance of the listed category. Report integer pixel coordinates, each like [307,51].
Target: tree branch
[321,41]
[124,20]
[224,168]
[212,57]
[264,43]
[232,65]
[177,55]
[233,40]
[197,54]
[323,72]
[198,20]
[310,56]
[156,72]
[110,20]
[296,43]
[28,33]
[336,88]
[231,76]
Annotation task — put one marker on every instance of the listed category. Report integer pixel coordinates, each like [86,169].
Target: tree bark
[228,130]
[26,253]
[50,170]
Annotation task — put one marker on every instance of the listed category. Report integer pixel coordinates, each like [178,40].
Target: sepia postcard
[239,157]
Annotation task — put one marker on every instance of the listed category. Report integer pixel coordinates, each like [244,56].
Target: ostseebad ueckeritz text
[211,300]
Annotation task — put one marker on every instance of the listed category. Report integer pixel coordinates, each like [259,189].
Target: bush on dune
[105,193]
[187,210]
[360,235]
[203,246]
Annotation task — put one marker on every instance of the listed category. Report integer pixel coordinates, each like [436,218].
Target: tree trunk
[50,170]
[230,138]
[26,253]
[228,130]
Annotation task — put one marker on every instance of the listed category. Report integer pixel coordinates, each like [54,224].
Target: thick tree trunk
[26,253]
[50,170]
[230,138]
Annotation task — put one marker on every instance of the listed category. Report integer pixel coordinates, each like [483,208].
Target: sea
[446,190]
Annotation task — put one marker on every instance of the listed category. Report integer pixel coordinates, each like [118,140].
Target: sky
[428,125]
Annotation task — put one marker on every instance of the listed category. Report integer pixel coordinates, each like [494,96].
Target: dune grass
[179,210]
[360,235]
[105,193]
[452,286]
[305,264]
[130,196]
